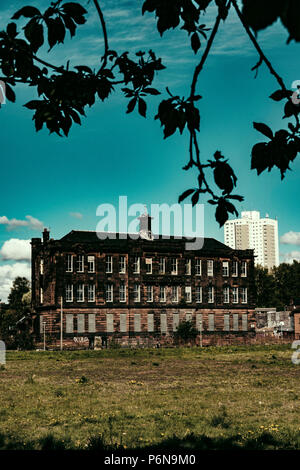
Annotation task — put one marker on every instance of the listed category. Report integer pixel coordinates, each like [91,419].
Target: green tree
[20,286]
[185,332]
[65,91]
[16,323]
[287,283]
[265,287]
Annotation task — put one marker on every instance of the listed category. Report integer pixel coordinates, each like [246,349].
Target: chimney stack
[145,226]
[46,235]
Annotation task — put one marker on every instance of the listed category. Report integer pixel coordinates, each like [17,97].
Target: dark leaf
[185,195]
[131,105]
[280,95]
[28,12]
[74,9]
[12,30]
[195,42]
[221,214]
[195,198]
[34,104]
[9,93]
[263,128]
[34,32]
[151,91]
[142,107]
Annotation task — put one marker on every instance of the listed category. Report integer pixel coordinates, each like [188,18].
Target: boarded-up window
[137,322]
[41,324]
[175,321]
[92,323]
[244,322]
[69,323]
[211,322]
[163,322]
[226,322]
[235,322]
[150,322]
[80,323]
[199,322]
[123,322]
[110,322]
[188,317]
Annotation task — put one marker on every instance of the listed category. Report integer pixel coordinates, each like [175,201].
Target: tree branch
[257,46]
[204,56]
[103,25]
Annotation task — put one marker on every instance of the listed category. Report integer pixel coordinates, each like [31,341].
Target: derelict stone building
[136,291]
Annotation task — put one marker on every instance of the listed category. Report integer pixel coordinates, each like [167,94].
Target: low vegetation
[210,398]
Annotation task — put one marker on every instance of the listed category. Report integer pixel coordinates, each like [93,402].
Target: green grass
[210,398]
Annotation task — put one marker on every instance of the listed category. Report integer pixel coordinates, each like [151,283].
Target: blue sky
[61,181]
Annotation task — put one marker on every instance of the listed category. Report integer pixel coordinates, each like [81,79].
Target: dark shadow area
[264,441]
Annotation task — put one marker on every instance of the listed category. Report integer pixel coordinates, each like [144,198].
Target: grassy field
[211,398]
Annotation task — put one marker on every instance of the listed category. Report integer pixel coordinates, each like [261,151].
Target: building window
[41,295]
[80,263]
[136,265]
[92,322]
[109,293]
[41,324]
[69,293]
[226,322]
[162,266]
[163,323]
[244,269]
[137,322]
[91,264]
[80,323]
[174,266]
[234,268]
[122,265]
[149,293]
[149,265]
[210,267]
[123,322]
[199,322]
[69,263]
[175,321]
[41,266]
[91,293]
[150,322]
[226,295]
[235,294]
[109,264]
[211,322]
[188,293]
[122,291]
[244,322]
[80,293]
[162,293]
[136,293]
[110,322]
[69,323]
[235,322]
[198,267]
[174,293]
[210,295]
[225,268]
[244,295]
[198,294]
[188,263]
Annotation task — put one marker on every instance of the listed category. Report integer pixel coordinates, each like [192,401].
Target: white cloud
[8,272]
[77,215]
[290,257]
[30,222]
[16,250]
[290,238]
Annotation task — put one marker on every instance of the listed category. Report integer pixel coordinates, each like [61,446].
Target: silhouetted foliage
[278,288]
[185,331]
[64,93]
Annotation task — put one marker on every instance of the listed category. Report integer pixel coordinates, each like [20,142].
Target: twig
[103,25]
[204,56]
[257,46]
[58,69]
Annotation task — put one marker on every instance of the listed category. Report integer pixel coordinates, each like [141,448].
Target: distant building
[252,232]
[136,291]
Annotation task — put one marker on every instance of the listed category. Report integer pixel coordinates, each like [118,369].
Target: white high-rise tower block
[255,233]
